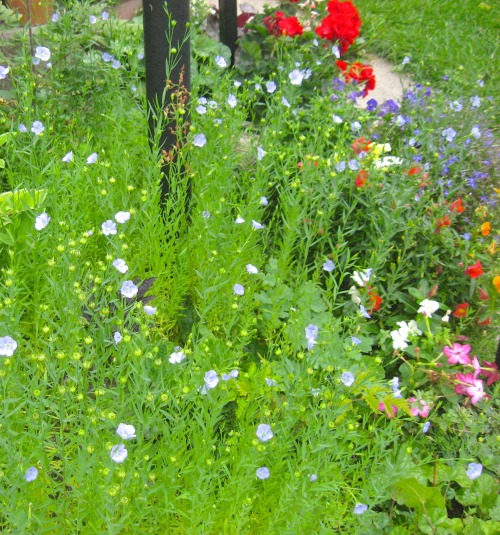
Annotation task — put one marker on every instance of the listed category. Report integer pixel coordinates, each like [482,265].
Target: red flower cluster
[475,270]
[342,24]
[277,24]
[358,73]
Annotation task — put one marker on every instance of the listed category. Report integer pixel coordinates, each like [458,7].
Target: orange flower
[442,222]
[485,228]
[375,300]
[456,206]
[361,179]
[361,145]
[475,270]
[461,310]
[416,170]
[496,283]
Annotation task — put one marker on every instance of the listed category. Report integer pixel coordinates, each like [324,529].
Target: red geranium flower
[291,27]
[361,179]
[359,73]
[456,206]
[375,300]
[271,22]
[361,145]
[461,310]
[475,270]
[342,24]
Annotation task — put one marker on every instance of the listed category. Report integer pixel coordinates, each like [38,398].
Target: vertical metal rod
[228,25]
[157,54]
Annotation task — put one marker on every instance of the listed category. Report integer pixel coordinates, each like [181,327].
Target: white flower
[220,62]
[238,289]
[256,225]
[4,71]
[387,161]
[120,265]
[42,53]
[117,337]
[31,474]
[7,346]
[337,119]
[176,357]
[37,128]
[92,158]
[446,317]
[42,221]
[199,140]
[211,379]
[239,220]
[428,307]
[271,87]
[260,153]
[237,83]
[264,432]
[361,279]
[232,101]
[252,269]
[68,157]
[108,227]
[125,431]
[122,217]
[263,472]
[399,339]
[296,77]
[129,289]
[119,453]
[354,293]
[347,378]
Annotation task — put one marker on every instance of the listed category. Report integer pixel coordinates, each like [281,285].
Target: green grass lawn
[458,40]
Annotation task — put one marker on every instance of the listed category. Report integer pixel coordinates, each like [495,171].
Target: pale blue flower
[211,379]
[340,166]
[264,432]
[205,214]
[125,431]
[68,157]
[271,87]
[92,158]
[117,337]
[329,266]
[108,227]
[260,153]
[263,201]
[176,357]
[347,378]
[129,289]
[31,474]
[140,56]
[449,134]
[42,53]
[41,221]
[22,128]
[263,472]
[405,61]
[105,15]
[92,19]
[475,132]
[355,126]
[231,375]
[118,453]
[311,335]
[356,341]
[475,101]
[238,289]
[7,346]
[353,165]
[37,128]
[336,51]
[237,83]
[426,427]
[313,477]
[232,101]
[199,140]
[252,269]
[107,57]
[55,17]
[296,77]
[239,220]
[201,109]
[363,311]
[120,265]
[149,310]
[337,119]
[474,470]
[285,102]
[256,225]
[456,105]
[4,71]
[116,64]
[360,508]
[270,382]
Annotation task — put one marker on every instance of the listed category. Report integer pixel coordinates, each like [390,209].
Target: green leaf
[413,494]
[13,202]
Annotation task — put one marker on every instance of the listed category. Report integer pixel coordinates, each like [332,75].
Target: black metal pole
[158,53]
[228,25]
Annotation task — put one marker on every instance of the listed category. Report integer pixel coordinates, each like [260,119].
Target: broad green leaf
[413,494]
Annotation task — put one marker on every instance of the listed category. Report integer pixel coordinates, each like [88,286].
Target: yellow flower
[485,228]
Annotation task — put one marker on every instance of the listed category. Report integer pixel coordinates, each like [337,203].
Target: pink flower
[468,385]
[391,413]
[490,371]
[458,354]
[415,410]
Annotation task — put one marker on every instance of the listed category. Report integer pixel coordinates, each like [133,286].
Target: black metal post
[228,25]
[158,53]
